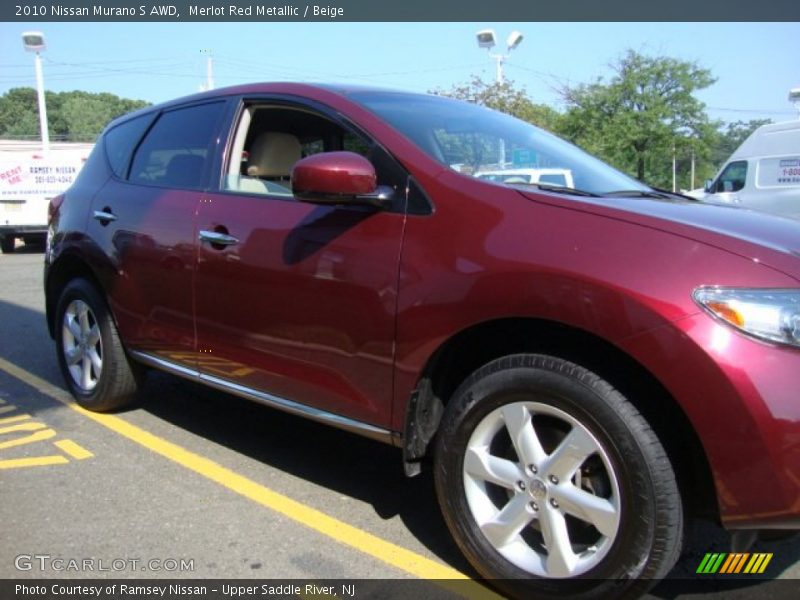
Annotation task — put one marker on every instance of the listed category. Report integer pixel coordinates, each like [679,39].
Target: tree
[641,116]
[74,116]
[505,98]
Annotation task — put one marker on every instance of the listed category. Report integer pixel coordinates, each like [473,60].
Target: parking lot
[193,483]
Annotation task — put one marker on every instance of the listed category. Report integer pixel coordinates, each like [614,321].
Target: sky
[756,64]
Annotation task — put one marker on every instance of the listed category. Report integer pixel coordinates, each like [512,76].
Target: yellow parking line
[34,461]
[344,533]
[28,439]
[23,427]
[17,419]
[75,450]
[7,409]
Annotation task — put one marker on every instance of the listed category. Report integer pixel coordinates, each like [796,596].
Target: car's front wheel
[553,484]
[90,353]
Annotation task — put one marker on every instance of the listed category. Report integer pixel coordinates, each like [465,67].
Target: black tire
[645,534]
[36,240]
[114,384]
[7,244]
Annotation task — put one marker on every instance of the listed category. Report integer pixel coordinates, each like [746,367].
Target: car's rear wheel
[7,244]
[91,356]
[553,484]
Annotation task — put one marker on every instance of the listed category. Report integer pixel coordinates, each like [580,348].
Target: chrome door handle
[104,216]
[220,239]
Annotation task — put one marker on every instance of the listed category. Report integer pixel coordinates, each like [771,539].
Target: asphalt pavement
[194,483]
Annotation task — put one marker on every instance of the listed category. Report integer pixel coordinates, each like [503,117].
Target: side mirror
[709,187]
[343,178]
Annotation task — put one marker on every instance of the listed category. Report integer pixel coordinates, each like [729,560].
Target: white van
[763,173]
[28,179]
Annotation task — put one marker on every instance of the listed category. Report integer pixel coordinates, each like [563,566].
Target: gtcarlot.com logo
[734,564]
[45,562]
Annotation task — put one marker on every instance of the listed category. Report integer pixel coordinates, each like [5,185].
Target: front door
[294,299]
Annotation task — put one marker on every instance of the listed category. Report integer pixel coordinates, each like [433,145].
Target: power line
[765,111]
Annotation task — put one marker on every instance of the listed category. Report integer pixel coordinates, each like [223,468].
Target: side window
[732,179]
[120,142]
[271,139]
[175,151]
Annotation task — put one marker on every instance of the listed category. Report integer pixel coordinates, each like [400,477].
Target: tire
[91,356]
[535,453]
[7,244]
[36,240]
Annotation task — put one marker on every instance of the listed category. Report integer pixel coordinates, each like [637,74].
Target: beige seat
[273,155]
[269,165]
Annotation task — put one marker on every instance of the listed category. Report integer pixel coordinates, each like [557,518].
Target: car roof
[312,90]
[770,140]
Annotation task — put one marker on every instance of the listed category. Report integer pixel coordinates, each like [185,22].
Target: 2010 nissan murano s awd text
[584,367]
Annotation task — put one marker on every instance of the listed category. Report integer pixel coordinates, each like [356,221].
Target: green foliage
[74,116]
[641,116]
[505,98]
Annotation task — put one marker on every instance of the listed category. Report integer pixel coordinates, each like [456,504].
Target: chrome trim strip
[215,237]
[102,215]
[290,406]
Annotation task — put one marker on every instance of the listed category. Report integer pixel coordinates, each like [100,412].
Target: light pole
[486,39]
[794,98]
[34,42]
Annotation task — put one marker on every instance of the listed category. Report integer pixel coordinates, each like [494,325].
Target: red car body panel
[305,305]
[344,310]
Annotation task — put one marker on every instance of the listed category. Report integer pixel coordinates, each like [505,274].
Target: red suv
[584,367]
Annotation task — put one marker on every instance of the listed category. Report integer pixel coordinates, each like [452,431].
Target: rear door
[144,218]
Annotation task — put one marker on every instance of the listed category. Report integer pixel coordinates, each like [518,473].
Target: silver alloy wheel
[82,345]
[551,513]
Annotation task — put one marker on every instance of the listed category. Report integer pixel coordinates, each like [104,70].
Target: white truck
[29,177]
[763,173]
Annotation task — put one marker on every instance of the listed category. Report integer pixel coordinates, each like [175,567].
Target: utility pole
[209,84]
[674,170]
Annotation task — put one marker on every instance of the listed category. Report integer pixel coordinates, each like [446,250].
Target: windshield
[484,143]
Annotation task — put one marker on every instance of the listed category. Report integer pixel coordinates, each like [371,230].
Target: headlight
[771,315]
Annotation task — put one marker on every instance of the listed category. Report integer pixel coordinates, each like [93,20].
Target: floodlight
[33,41]
[794,94]
[486,38]
[514,40]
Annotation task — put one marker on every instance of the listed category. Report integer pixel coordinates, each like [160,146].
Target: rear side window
[176,150]
[121,141]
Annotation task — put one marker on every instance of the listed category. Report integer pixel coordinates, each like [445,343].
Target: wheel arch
[468,350]
[67,267]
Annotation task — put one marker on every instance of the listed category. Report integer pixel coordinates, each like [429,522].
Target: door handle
[105,216]
[215,238]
